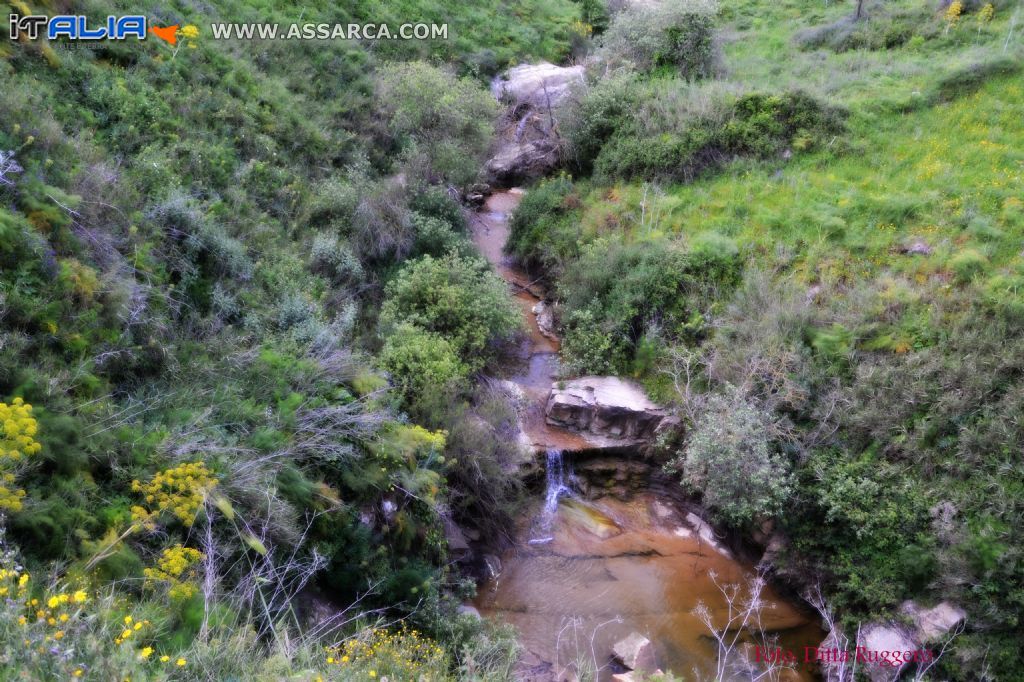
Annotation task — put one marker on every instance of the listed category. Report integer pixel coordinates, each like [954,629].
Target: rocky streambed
[611,566]
[607,568]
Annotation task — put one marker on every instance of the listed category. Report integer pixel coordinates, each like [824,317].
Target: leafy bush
[544,234]
[878,542]
[616,293]
[968,264]
[728,461]
[456,297]
[333,258]
[422,362]
[758,125]
[435,237]
[678,36]
[449,120]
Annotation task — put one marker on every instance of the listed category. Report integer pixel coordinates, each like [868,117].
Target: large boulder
[528,144]
[879,637]
[516,161]
[636,652]
[538,85]
[935,623]
[609,407]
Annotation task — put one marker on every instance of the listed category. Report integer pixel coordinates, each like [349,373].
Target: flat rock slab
[609,407]
[877,637]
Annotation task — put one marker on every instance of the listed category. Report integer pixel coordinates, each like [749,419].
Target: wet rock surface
[538,85]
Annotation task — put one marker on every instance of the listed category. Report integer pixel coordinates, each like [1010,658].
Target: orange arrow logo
[168,33]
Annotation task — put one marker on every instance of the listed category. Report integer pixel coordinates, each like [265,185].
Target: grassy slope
[160,302]
[933,153]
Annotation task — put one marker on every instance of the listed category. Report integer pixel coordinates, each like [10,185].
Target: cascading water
[558,485]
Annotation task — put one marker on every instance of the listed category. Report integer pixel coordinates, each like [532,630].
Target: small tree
[729,462]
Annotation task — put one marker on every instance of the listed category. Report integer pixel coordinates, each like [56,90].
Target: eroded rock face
[536,84]
[607,406]
[528,145]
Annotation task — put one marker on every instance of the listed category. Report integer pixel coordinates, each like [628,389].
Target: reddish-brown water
[584,574]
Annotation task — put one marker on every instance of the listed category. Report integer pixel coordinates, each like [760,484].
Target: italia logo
[78,27]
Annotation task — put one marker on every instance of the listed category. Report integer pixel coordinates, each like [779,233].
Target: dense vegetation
[215,458]
[241,323]
[812,248]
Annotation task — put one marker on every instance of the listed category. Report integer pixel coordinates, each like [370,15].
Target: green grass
[951,176]
[883,298]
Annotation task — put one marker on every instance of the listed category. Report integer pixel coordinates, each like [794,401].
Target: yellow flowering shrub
[58,632]
[17,442]
[180,491]
[189,33]
[177,569]
[985,14]
[952,14]
[395,654]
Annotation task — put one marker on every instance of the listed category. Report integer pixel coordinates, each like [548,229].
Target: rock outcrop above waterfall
[607,407]
[528,142]
[538,85]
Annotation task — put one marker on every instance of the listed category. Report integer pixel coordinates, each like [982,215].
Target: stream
[587,570]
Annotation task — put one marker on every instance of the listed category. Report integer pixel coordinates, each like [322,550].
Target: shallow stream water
[586,571]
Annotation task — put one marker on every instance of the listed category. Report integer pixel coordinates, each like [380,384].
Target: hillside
[875,320]
[250,357]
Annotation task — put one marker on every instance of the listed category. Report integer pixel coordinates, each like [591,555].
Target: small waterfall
[558,485]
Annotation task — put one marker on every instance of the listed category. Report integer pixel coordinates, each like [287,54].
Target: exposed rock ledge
[608,407]
[528,144]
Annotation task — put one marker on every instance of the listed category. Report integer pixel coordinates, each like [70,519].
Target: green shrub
[435,237]
[616,294]
[878,544]
[880,28]
[544,233]
[678,36]
[458,298]
[756,124]
[333,258]
[594,118]
[968,264]
[449,120]
[422,362]
[728,461]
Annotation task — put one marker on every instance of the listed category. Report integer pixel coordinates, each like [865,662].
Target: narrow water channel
[588,570]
